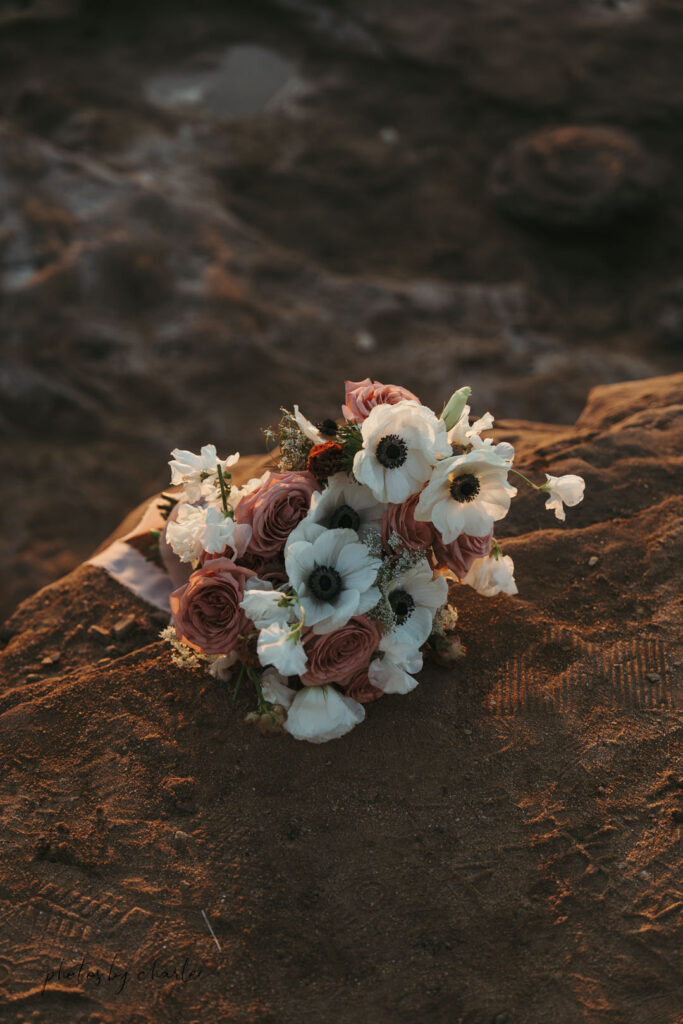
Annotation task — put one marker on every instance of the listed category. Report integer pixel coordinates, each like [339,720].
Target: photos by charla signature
[118,975]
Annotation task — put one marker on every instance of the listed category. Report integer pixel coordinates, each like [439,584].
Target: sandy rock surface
[211,209]
[501,844]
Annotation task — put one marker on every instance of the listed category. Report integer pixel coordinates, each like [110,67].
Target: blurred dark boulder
[576,176]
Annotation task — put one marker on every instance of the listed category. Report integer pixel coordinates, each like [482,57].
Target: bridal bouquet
[324,582]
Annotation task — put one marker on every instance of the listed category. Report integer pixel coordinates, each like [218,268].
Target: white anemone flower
[346,505]
[467,494]
[395,671]
[462,433]
[307,428]
[196,529]
[401,445]
[333,575]
[492,575]
[563,490]
[321,713]
[198,474]
[415,597]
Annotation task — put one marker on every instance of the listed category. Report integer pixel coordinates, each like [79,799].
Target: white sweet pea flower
[462,433]
[280,645]
[263,605]
[321,713]
[395,671]
[198,474]
[563,490]
[467,494]
[307,428]
[333,575]
[492,575]
[221,531]
[197,529]
[503,450]
[185,533]
[401,445]
[346,505]
[415,596]
[274,688]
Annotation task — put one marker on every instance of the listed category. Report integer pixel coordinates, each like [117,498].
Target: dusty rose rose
[273,509]
[364,395]
[271,570]
[335,657]
[206,611]
[462,552]
[400,519]
[361,689]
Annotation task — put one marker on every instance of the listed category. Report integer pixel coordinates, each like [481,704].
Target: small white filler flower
[401,445]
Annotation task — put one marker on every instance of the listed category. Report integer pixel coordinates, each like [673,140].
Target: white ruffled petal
[275,647]
[274,688]
[390,678]
[321,713]
[307,428]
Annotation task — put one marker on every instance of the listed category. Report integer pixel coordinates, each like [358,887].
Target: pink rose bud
[364,395]
[273,509]
[361,689]
[462,552]
[400,519]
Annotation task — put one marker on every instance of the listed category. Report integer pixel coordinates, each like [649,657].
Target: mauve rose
[206,611]
[462,552]
[273,509]
[400,519]
[364,395]
[361,689]
[271,570]
[335,657]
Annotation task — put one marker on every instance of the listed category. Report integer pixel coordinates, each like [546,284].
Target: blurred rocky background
[208,210]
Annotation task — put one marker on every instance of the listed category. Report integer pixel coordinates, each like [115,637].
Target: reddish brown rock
[503,840]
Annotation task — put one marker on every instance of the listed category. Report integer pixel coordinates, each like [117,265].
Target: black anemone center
[465,487]
[392,451]
[328,428]
[325,583]
[344,518]
[402,605]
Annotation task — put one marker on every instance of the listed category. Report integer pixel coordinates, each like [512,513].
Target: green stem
[527,480]
[224,493]
[256,680]
[238,684]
